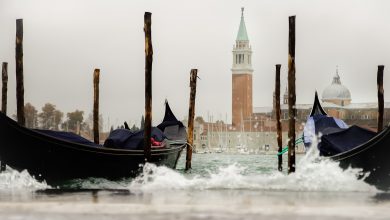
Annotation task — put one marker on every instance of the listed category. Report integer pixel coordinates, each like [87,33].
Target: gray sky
[65,40]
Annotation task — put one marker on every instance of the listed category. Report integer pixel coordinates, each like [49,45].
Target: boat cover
[347,139]
[318,125]
[334,135]
[125,139]
[170,128]
[68,136]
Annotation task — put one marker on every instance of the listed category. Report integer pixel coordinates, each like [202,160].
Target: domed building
[336,93]
[337,102]
[253,128]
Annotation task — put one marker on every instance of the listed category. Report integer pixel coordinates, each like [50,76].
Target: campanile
[241,77]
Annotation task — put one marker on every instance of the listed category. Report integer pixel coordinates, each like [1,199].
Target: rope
[285,149]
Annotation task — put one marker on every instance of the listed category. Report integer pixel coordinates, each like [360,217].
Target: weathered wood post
[4,77]
[19,73]
[379,80]
[291,95]
[96,76]
[148,84]
[278,113]
[2,166]
[78,128]
[191,115]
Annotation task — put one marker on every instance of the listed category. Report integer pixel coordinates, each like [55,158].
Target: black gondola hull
[373,157]
[52,159]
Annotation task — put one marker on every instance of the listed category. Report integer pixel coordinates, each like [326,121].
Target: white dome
[336,91]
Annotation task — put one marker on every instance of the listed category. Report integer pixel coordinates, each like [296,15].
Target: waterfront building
[252,129]
[241,76]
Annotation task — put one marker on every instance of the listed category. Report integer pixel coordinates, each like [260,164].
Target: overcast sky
[65,40]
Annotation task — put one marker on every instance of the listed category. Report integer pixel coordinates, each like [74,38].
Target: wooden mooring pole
[291,95]
[278,113]
[96,77]
[19,72]
[4,89]
[191,115]
[4,78]
[379,80]
[148,85]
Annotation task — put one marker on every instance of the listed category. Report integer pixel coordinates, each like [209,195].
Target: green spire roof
[242,35]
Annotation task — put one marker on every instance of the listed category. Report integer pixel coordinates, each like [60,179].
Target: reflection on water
[219,187]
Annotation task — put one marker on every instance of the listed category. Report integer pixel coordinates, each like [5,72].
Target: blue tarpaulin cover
[318,125]
[125,139]
[344,140]
[119,138]
[334,136]
[170,128]
[68,136]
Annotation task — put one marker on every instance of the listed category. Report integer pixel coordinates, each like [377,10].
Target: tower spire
[242,34]
[242,51]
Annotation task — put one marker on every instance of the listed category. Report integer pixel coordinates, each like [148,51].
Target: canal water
[220,186]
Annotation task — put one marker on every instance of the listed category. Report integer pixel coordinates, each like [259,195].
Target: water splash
[13,180]
[311,175]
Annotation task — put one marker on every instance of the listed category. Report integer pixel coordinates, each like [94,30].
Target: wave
[312,174]
[13,180]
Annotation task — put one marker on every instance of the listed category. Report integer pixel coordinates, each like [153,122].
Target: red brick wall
[241,98]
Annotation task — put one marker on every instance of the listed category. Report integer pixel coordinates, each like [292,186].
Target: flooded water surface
[219,186]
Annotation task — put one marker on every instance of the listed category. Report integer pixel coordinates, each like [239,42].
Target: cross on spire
[336,77]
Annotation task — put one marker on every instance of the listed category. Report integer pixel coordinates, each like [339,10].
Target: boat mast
[208,131]
[226,134]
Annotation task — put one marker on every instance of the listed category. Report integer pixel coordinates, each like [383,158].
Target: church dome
[336,91]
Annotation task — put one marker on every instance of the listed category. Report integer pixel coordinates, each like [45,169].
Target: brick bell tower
[241,77]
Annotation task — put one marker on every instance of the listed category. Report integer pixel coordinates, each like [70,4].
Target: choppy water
[219,187]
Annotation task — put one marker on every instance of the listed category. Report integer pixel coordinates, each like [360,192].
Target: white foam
[12,179]
[311,175]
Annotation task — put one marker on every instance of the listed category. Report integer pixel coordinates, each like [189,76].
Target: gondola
[55,159]
[371,156]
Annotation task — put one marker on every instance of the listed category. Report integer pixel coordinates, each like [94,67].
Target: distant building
[337,102]
[336,98]
[241,76]
[337,93]
[254,127]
